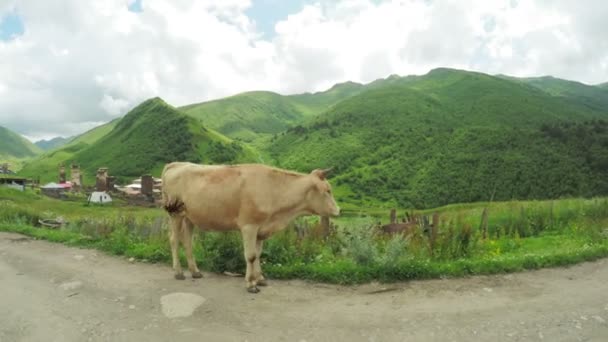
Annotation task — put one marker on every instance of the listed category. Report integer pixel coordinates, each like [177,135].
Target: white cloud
[83,62]
[113,106]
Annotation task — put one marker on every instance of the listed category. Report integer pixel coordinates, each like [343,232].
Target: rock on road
[50,292]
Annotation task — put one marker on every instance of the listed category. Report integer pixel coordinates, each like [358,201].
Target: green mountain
[50,144]
[14,146]
[246,115]
[315,103]
[592,96]
[46,165]
[147,137]
[603,85]
[453,136]
[251,115]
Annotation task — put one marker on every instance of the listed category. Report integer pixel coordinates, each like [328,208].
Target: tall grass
[521,235]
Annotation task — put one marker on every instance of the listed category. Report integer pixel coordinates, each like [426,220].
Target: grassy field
[521,235]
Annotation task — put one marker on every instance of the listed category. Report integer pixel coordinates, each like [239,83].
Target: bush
[394,251]
[222,251]
[358,243]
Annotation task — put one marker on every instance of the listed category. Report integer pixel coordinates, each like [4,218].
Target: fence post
[433,233]
[484,223]
[325,225]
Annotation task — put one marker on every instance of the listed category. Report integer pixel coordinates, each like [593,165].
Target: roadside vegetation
[520,235]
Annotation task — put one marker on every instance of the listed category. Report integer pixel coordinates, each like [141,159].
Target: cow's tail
[173,206]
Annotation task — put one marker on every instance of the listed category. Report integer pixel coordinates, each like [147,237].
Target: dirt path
[49,292]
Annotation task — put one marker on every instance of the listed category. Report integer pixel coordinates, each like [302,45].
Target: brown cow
[256,199]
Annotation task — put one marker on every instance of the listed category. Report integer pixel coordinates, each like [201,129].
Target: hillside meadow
[520,235]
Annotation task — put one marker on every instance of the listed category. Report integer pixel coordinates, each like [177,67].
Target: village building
[76,177]
[146,185]
[100,197]
[55,190]
[13,182]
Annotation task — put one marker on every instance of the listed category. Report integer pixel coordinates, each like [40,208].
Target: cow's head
[320,197]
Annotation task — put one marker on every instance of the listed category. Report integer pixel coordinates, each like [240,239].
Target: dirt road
[49,292]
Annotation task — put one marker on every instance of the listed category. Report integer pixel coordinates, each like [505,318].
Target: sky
[69,65]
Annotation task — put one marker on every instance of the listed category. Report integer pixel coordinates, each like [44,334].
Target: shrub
[222,251]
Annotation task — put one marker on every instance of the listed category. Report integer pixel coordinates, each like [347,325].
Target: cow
[257,199]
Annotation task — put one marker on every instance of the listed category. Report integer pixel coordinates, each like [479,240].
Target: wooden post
[551,216]
[393,216]
[325,225]
[433,232]
[484,223]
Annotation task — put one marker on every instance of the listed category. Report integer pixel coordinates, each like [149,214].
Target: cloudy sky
[69,65]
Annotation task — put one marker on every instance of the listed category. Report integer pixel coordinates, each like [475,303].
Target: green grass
[539,234]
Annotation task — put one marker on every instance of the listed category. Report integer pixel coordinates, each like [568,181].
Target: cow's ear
[327,171]
[319,173]
[322,173]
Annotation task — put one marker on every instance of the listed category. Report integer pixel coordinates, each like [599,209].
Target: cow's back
[222,197]
[208,195]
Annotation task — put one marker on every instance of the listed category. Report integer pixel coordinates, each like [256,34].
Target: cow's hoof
[262,282]
[197,275]
[253,289]
[180,276]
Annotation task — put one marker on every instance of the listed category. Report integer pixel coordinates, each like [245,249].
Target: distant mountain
[150,135]
[250,115]
[603,85]
[14,146]
[246,115]
[595,97]
[455,136]
[315,103]
[50,144]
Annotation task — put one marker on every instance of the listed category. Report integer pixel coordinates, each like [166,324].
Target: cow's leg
[187,237]
[257,268]
[249,234]
[176,227]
